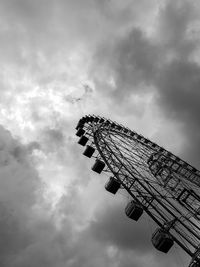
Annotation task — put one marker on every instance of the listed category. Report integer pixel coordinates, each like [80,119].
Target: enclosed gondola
[134,210]
[98,166]
[162,240]
[89,151]
[112,185]
[80,132]
[83,140]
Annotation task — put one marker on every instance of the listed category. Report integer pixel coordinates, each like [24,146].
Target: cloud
[179,96]
[132,62]
[32,233]
[178,80]
[175,22]
[136,62]
[19,179]
[14,237]
[129,239]
[113,227]
[19,185]
[162,63]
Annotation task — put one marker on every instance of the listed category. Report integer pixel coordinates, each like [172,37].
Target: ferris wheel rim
[149,213]
[106,124]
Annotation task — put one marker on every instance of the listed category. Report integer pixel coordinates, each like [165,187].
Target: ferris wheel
[159,183]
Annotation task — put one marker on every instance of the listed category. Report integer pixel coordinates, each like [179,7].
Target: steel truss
[167,187]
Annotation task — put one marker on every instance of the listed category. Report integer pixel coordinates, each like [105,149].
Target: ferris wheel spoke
[165,186]
[171,214]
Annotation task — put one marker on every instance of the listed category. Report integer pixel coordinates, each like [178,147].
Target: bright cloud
[136,62]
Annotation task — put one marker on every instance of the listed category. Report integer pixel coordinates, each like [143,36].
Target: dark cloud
[175,21]
[126,60]
[132,62]
[31,234]
[19,184]
[19,180]
[161,63]
[178,81]
[179,98]
[13,235]
[113,227]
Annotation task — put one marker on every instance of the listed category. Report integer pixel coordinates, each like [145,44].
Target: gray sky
[134,61]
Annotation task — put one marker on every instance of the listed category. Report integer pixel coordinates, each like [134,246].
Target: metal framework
[167,187]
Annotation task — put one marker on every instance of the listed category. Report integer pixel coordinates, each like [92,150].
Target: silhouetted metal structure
[161,184]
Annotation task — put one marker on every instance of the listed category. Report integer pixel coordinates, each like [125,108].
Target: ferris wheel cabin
[112,185]
[89,151]
[162,240]
[98,166]
[80,132]
[134,210]
[166,172]
[83,140]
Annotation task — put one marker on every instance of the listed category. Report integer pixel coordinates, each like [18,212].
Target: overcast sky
[133,61]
